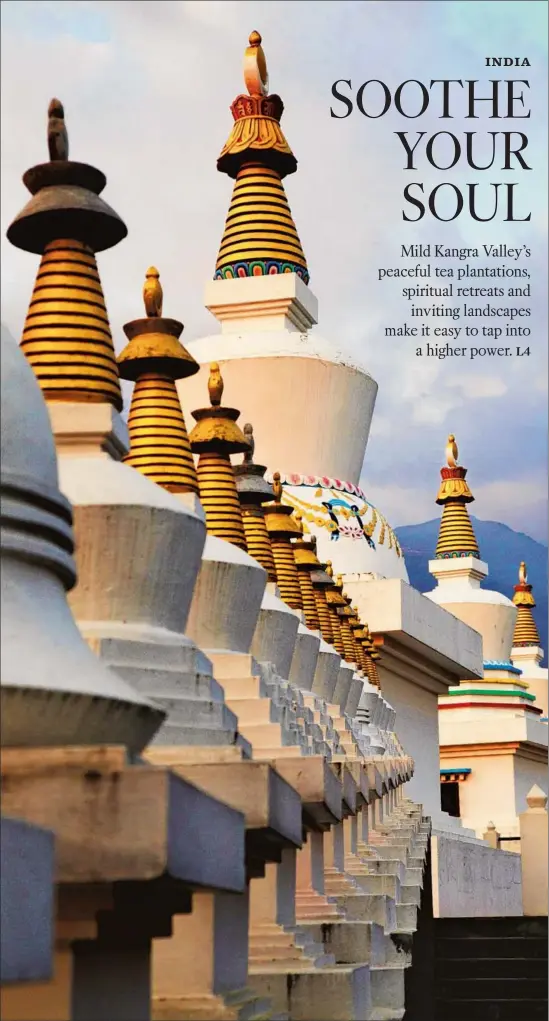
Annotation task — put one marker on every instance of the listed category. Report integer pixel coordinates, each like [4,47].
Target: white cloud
[475,386]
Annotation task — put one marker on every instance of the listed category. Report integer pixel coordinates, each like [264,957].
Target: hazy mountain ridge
[500,547]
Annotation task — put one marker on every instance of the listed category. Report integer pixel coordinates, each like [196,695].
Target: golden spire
[345,615]
[371,658]
[215,385]
[253,491]
[451,452]
[256,78]
[335,600]
[155,358]
[67,337]
[282,528]
[322,581]
[152,293]
[456,535]
[526,632]
[358,635]
[260,236]
[214,438]
[58,139]
[306,562]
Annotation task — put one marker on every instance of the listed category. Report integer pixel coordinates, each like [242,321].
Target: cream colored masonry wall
[474,881]
[417,728]
[494,621]
[488,793]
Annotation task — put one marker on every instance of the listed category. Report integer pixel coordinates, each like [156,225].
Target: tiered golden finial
[526,632]
[260,236]
[372,656]
[306,562]
[214,438]
[67,337]
[155,358]
[321,582]
[253,491]
[456,535]
[345,615]
[335,600]
[314,581]
[282,528]
[358,635]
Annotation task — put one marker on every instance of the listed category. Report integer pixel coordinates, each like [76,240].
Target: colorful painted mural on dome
[341,508]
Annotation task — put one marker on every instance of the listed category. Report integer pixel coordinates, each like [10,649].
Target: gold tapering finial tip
[299,521]
[523,573]
[152,293]
[256,78]
[248,431]
[215,385]
[451,451]
[58,139]
[277,487]
[55,109]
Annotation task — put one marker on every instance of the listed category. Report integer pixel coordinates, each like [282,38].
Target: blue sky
[147,89]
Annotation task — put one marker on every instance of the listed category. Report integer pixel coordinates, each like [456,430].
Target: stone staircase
[490,969]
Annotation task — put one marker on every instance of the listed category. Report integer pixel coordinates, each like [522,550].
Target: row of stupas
[183,731]
[493,734]
[219,693]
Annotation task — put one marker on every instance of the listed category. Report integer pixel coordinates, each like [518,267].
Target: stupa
[267,348]
[526,653]
[492,726]
[261,296]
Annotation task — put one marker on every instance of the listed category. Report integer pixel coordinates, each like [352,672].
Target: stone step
[492,988]
[388,866]
[170,682]
[379,883]
[508,947]
[399,948]
[271,735]
[258,710]
[410,893]
[386,1014]
[363,907]
[492,928]
[252,686]
[387,983]
[242,1005]
[491,1010]
[413,876]
[407,916]
[352,942]
[191,712]
[177,734]
[339,993]
[492,967]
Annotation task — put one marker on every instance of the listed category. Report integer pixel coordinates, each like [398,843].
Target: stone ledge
[319,789]
[113,821]
[270,805]
[416,629]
